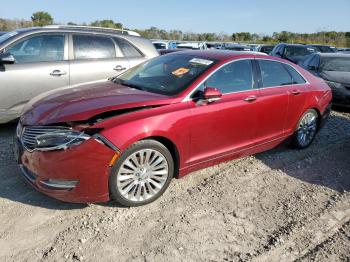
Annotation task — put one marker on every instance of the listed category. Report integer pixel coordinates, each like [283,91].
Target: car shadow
[341,109]
[13,187]
[325,162]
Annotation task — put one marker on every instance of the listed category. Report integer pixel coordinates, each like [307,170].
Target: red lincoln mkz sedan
[125,139]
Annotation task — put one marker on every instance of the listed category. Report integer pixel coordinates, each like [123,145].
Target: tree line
[339,39]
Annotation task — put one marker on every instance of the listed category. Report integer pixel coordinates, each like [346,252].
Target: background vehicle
[2,33]
[293,52]
[167,51]
[344,50]
[335,70]
[193,46]
[166,117]
[40,59]
[253,47]
[323,48]
[265,48]
[214,45]
[164,44]
[238,47]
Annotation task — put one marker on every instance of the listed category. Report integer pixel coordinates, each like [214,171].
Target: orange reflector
[114,158]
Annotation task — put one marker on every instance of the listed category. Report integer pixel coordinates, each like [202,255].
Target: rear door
[129,51]
[41,65]
[273,100]
[297,93]
[95,58]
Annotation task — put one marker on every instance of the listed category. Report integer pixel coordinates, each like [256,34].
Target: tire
[141,174]
[306,130]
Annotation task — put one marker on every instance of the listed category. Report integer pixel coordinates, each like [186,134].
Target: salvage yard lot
[282,204]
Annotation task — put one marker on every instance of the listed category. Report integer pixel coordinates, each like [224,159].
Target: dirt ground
[281,205]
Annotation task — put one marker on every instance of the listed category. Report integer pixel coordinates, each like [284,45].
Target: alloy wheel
[307,128]
[142,175]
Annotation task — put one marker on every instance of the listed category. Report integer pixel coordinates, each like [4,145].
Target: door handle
[57,73]
[119,68]
[295,92]
[250,99]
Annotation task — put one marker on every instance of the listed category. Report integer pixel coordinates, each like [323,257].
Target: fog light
[60,184]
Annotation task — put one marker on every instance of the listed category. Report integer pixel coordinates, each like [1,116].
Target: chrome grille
[30,133]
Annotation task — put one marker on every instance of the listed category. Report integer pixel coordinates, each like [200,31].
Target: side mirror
[6,58]
[211,94]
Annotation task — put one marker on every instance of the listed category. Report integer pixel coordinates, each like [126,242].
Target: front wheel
[142,173]
[306,130]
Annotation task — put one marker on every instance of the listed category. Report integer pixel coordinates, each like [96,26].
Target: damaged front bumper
[79,174]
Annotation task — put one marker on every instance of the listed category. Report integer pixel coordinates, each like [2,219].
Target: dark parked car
[2,33]
[238,47]
[323,48]
[126,139]
[168,51]
[335,69]
[295,53]
[265,49]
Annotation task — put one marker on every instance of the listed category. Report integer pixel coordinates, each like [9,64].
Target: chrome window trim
[306,81]
[188,96]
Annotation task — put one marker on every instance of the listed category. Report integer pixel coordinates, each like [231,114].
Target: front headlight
[60,140]
[334,84]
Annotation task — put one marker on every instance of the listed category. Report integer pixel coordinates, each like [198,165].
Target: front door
[227,125]
[40,65]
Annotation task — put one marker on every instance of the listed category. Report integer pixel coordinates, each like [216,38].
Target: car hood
[86,101]
[336,76]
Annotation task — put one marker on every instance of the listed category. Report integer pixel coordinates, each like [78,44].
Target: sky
[227,16]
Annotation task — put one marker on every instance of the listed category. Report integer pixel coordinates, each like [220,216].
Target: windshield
[341,64]
[6,36]
[167,75]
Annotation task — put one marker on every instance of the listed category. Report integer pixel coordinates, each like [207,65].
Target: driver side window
[234,77]
[41,48]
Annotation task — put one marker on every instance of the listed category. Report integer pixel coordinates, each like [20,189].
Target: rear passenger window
[297,78]
[274,74]
[234,77]
[127,48]
[93,47]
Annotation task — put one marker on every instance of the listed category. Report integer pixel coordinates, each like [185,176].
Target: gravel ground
[280,205]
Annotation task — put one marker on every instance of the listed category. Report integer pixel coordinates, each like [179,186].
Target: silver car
[39,59]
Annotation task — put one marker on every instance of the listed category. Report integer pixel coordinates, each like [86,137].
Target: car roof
[302,45]
[70,28]
[221,55]
[333,55]
[317,45]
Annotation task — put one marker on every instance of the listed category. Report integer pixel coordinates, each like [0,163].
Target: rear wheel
[142,173]
[306,130]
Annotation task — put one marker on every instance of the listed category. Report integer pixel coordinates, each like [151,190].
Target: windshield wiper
[124,83]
